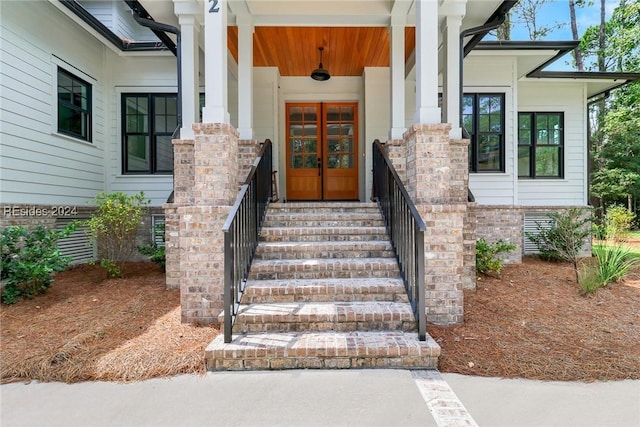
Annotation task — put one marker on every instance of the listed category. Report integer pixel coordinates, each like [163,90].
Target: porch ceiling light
[320,73]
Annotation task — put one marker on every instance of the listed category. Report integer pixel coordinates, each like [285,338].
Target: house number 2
[214,7]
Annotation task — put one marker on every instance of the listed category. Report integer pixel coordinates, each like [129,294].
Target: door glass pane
[296,145]
[333,161]
[346,114]
[310,161]
[333,146]
[346,161]
[333,114]
[311,146]
[309,129]
[347,129]
[310,114]
[347,145]
[296,161]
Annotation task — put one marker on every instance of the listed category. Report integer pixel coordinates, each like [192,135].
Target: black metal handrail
[405,228]
[241,232]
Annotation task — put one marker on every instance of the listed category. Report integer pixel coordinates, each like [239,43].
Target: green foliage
[154,251]
[590,280]
[618,221]
[29,260]
[486,255]
[614,262]
[114,226]
[565,238]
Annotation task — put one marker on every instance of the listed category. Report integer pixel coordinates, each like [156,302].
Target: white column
[397,79]
[427,110]
[216,108]
[190,58]
[245,77]
[451,74]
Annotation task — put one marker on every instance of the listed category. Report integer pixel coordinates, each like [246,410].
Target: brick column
[397,152]
[247,152]
[205,187]
[437,181]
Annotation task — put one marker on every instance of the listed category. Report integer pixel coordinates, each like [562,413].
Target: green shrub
[29,260]
[618,221]
[486,255]
[155,252]
[565,238]
[613,262]
[114,226]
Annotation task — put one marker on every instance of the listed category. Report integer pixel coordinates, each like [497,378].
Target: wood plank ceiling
[347,50]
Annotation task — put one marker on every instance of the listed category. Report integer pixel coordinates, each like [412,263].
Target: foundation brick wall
[397,152]
[502,222]
[206,175]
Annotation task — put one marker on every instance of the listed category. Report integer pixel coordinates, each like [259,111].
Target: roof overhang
[534,56]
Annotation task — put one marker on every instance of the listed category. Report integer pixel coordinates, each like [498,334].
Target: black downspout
[494,21]
[158,26]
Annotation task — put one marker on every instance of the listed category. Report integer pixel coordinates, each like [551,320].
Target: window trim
[473,144]
[152,170]
[532,147]
[59,66]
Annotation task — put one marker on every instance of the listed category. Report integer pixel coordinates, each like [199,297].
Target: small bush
[29,260]
[156,253]
[565,238]
[486,255]
[114,226]
[618,222]
[613,262]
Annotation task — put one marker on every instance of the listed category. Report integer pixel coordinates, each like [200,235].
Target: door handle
[319,166]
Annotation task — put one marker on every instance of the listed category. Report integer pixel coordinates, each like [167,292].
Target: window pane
[333,161]
[333,145]
[489,152]
[311,146]
[164,154]
[347,145]
[310,114]
[524,121]
[547,161]
[524,161]
[161,124]
[346,114]
[346,161]
[160,105]
[137,153]
[74,106]
[524,137]
[172,103]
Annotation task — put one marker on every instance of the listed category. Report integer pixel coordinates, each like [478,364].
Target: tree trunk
[504,30]
[602,37]
[577,53]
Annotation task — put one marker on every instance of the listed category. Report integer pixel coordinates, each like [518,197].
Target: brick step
[324,290]
[322,207]
[323,268]
[325,316]
[320,234]
[327,219]
[314,250]
[323,350]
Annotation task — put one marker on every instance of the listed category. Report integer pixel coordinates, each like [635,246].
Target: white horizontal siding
[101,10]
[125,26]
[37,165]
[567,97]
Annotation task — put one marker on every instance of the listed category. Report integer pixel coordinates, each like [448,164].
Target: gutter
[496,19]
[143,18]
[105,32]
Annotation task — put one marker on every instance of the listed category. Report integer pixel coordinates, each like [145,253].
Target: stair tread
[258,264]
[336,245]
[356,282]
[330,309]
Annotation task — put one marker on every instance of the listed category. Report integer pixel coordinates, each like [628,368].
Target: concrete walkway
[322,398]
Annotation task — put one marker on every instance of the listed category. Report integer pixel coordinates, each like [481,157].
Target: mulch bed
[531,322]
[89,328]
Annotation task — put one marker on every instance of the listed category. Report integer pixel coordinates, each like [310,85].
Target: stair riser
[248,298]
[241,327]
[268,237]
[324,362]
[323,255]
[323,275]
[323,223]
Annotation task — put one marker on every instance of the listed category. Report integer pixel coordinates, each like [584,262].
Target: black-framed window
[540,145]
[74,106]
[148,123]
[483,119]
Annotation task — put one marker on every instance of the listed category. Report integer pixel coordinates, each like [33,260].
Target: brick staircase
[324,291]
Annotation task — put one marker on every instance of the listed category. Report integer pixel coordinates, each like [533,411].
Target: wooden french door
[322,151]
